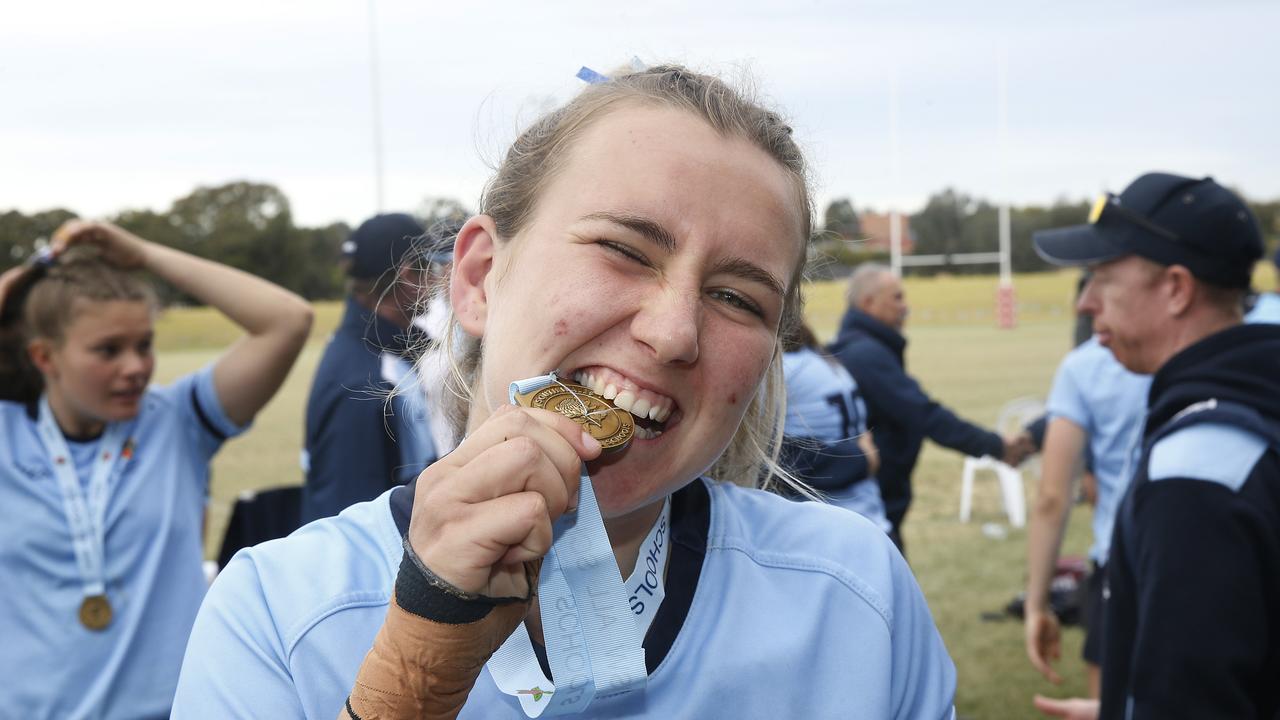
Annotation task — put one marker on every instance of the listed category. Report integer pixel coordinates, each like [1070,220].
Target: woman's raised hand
[117,245]
[486,508]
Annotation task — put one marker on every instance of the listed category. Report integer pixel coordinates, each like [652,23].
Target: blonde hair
[541,150]
[46,303]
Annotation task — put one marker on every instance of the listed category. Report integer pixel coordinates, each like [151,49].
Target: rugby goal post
[1006,309]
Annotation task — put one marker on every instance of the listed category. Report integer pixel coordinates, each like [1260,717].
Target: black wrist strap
[425,594]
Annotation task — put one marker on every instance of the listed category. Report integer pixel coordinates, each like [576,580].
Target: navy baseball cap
[380,244]
[1168,219]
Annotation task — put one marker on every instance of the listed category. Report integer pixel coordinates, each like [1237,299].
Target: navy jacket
[1192,620]
[357,445]
[900,414]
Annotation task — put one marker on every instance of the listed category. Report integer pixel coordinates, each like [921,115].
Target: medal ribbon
[86,519]
[593,627]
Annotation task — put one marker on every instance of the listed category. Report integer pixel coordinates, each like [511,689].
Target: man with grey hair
[870,345]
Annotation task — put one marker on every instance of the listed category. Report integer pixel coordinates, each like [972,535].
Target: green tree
[21,235]
[939,226]
[841,221]
[245,225]
[441,210]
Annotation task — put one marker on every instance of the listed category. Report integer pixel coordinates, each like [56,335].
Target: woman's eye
[737,300]
[107,351]
[625,251]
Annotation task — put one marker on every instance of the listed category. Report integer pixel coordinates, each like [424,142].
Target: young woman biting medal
[105,477]
[638,250]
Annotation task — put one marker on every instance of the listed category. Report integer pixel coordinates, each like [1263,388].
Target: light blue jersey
[1265,310]
[1094,391]
[51,665]
[825,417]
[822,398]
[800,611]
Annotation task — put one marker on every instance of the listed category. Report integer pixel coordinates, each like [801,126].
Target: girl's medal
[611,426]
[95,612]
[86,516]
[594,642]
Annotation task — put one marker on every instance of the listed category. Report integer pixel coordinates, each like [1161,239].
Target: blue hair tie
[43,257]
[591,77]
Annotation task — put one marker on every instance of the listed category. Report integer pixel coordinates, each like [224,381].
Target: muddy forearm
[430,649]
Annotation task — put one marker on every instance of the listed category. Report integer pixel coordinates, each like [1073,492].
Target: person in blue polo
[1193,580]
[656,259]
[361,437]
[1266,305]
[104,477]
[1096,408]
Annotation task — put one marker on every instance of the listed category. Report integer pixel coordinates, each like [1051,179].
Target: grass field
[956,353]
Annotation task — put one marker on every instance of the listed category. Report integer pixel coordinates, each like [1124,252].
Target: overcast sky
[131,104]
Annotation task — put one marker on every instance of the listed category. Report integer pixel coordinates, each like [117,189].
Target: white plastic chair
[1013,417]
[1015,502]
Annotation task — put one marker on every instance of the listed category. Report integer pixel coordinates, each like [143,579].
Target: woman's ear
[473,256]
[40,351]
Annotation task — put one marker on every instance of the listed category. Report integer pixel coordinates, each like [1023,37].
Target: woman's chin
[123,410]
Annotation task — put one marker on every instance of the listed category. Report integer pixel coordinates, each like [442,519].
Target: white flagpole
[1006,260]
[895,232]
[376,97]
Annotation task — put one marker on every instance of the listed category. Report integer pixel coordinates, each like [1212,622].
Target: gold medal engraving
[95,612]
[610,425]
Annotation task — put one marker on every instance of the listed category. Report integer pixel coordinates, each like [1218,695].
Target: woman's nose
[669,323]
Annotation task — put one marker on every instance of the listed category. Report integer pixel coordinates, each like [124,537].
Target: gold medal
[95,612]
[610,425]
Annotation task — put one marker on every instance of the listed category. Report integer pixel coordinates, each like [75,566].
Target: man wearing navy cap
[359,444]
[1192,618]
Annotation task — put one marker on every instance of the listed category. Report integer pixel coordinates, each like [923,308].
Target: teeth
[642,404]
[625,400]
[640,408]
[590,381]
[646,434]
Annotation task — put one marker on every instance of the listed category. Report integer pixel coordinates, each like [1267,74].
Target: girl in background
[105,477]
[826,443]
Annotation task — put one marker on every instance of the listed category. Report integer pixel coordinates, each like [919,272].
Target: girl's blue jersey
[53,666]
[798,610]
[822,398]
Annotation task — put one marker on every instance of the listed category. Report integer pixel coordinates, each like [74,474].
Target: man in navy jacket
[366,424]
[870,345]
[1192,596]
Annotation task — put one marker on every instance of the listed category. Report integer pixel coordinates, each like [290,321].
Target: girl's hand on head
[10,280]
[485,509]
[117,245]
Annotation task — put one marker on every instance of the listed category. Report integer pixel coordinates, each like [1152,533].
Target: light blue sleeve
[924,677]
[1267,309]
[236,665]
[1213,452]
[194,399]
[1066,400]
